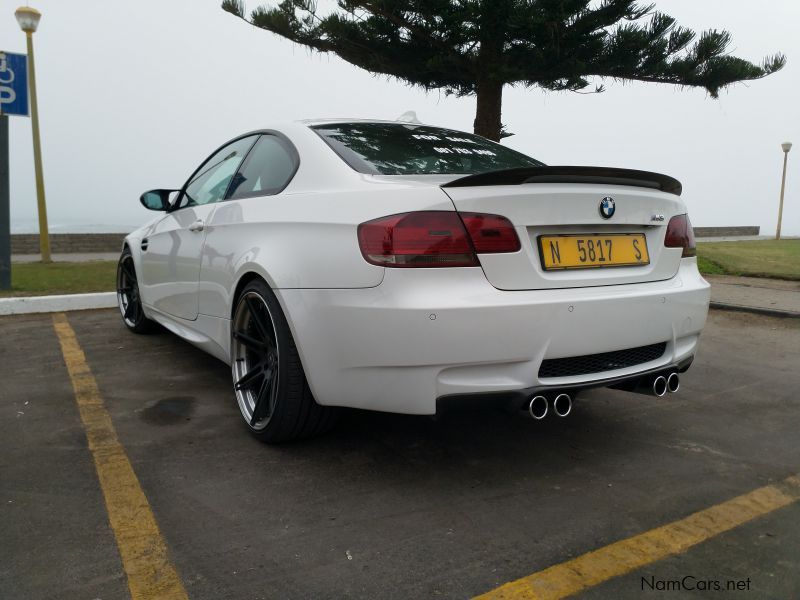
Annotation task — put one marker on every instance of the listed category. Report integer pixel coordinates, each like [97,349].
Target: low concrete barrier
[67,243]
[726,231]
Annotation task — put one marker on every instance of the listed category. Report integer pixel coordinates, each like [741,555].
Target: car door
[172,250]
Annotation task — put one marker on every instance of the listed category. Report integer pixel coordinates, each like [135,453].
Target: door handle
[197,225]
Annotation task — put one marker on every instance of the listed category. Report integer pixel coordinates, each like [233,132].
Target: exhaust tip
[562,405]
[538,407]
[660,386]
[673,383]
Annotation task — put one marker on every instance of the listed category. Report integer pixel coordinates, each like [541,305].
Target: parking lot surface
[390,506]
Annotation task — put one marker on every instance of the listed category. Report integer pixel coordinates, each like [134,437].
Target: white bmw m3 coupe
[400,267]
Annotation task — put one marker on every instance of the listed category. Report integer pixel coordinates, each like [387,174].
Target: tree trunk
[489,108]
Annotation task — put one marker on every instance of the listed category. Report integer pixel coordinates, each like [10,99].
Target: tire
[128,298]
[268,378]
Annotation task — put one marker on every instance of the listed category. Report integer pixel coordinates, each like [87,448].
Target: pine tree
[476,47]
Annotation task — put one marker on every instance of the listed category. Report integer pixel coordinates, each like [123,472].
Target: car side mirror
[156,199]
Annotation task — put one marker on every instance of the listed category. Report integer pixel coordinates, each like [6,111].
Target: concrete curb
[44,304]
[768,312]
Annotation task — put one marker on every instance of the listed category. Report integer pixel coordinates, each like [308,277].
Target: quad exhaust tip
[562,405]
[673,382]
[538,407]
[660,386]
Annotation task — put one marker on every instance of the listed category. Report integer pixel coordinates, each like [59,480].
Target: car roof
[313,122]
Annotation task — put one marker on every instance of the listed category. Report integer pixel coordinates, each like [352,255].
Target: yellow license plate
[592,251]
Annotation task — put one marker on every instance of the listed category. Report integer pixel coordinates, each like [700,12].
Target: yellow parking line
[144,552]
[619,558]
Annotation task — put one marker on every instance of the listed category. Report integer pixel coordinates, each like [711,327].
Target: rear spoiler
[601,175]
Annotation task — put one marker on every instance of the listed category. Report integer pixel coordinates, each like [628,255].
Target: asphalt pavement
[385,506]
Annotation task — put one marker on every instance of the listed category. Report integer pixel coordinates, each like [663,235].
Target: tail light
[491,234]
[435,239]
[680,234]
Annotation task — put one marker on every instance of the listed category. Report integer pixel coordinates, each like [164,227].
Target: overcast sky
[133,95]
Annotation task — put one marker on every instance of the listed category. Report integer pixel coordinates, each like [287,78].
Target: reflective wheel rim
[255,360]
[128,299]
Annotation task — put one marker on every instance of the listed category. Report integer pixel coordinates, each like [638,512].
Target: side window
[268,169]
[211,182]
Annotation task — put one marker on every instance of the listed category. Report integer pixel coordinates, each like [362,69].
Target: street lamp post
[786,147]
[28,19]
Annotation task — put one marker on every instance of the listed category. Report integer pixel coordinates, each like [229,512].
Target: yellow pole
[44,237]
[783,190]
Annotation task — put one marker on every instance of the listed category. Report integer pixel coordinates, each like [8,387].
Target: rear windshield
[405,149]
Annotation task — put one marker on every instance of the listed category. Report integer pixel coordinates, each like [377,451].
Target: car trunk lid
[566,201]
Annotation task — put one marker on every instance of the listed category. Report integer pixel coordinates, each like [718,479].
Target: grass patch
[758,258]
[708,267]
[38,279]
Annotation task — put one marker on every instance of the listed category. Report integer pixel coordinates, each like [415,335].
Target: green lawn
[761,258]
[37,279]
[758,258]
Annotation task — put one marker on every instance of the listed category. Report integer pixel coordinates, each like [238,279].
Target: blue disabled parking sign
[13,84]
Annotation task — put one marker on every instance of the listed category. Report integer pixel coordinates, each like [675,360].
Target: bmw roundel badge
[607,208]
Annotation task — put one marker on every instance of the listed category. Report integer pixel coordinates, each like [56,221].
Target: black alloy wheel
[268,378]
[128,298]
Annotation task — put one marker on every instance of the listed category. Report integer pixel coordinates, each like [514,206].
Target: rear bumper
[517,400]
[425,334]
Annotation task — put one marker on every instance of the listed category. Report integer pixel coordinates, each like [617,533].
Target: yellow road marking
[619,558]
[143,550]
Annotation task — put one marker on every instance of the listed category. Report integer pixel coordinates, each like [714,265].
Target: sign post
[5,208]
[13,101]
